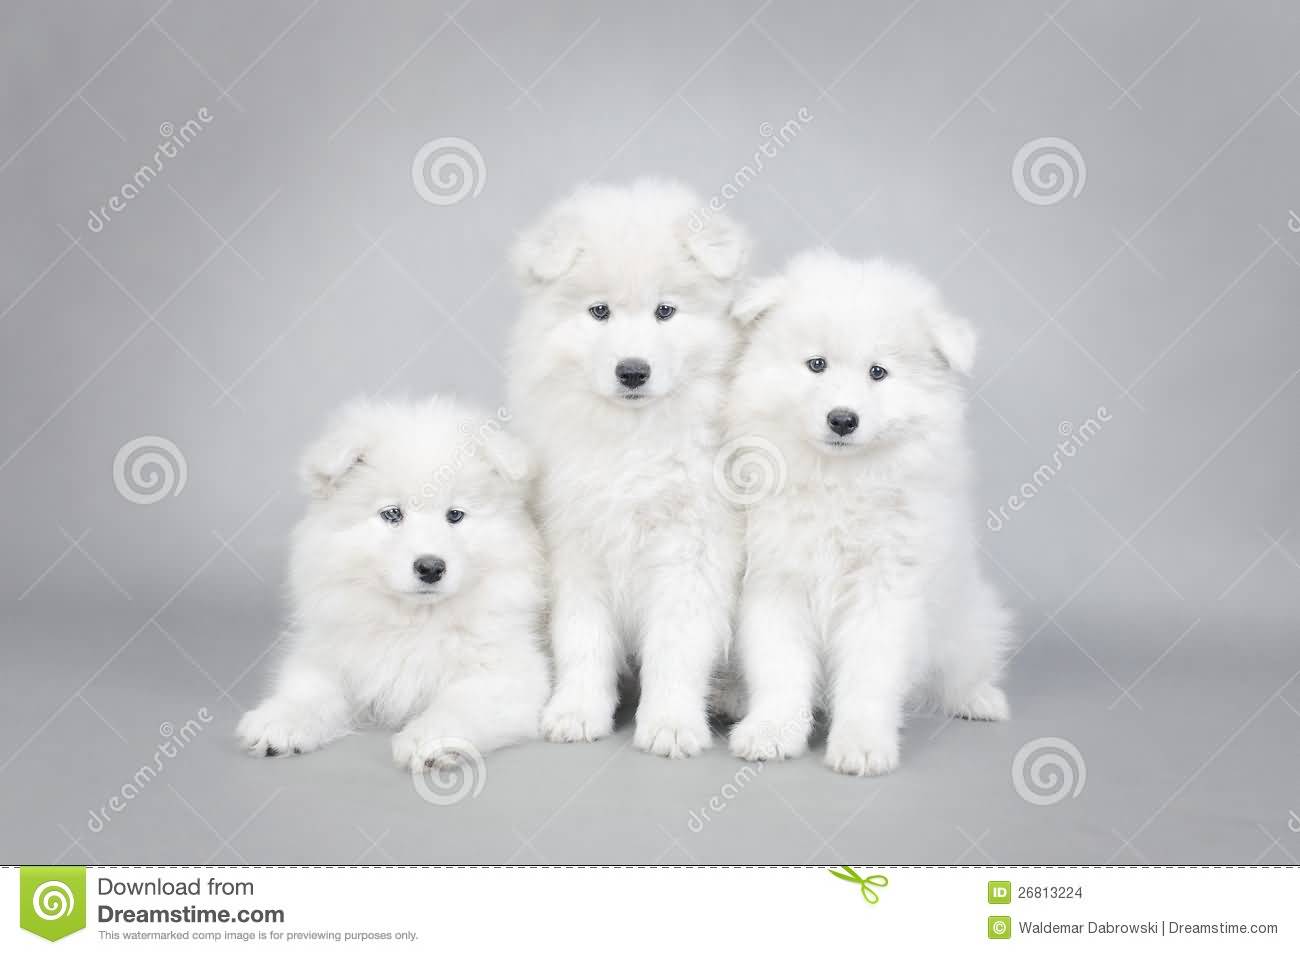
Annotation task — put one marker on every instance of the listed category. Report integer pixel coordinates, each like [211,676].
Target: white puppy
[862,577]
[417,581]
[617,378]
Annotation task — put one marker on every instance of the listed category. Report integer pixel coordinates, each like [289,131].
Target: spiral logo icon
[53,900]
[166,129]
[447,170]
[1048,170]
[165,728]
[1064,428]
[1048,770]
[765,130]
[455,772]
[148,469]
[749,469]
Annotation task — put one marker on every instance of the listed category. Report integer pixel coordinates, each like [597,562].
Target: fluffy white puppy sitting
[862,576]
[417,586]
[617,378]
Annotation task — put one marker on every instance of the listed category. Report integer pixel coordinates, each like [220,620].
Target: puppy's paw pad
[862,757]
[273,731]
[987,702]
[563,723]
[768,739]
[418,748]
[675,739]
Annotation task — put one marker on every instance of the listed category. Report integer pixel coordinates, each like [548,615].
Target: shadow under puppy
[417,587]
[862,577]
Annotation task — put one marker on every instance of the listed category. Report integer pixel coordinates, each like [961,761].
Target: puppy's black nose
[842,420]
[632,372]
[429,568]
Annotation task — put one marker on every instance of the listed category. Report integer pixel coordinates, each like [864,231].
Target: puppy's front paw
[758,739]
[418,748]
[275,729]
[569,720]
[674,736]
[862,753]
[985,702]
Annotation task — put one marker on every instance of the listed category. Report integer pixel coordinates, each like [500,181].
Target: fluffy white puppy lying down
[417,587]
[617,376]
[862,580]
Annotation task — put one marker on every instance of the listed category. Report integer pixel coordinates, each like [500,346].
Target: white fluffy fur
[862,581]
[644,552]
[454,660]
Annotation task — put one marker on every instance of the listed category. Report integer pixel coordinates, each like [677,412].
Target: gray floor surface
[1194,764]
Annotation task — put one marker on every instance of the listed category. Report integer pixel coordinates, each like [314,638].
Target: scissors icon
[865,884]
[1294,822]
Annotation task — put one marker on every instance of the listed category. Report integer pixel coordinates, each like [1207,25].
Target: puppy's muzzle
[429,569]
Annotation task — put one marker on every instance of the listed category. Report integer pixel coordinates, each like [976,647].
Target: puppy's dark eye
[816,365]
[455,516]
[665,311]
[393,515]
[877,373]
[599,311]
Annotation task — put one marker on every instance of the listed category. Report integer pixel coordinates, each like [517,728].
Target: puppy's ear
[341,449]
[758,299]
[509,456]
[719,245]
[548,250]
[954,339]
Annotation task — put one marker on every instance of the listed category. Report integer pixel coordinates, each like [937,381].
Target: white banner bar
[965,908]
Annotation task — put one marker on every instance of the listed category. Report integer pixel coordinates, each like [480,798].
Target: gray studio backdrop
[1109,189]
